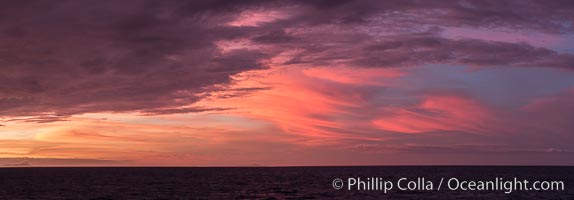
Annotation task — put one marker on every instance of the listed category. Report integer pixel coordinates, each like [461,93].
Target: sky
[286,83]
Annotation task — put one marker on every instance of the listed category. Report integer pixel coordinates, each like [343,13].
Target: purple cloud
[66,58]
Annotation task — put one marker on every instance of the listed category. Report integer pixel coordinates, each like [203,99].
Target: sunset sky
[236,83]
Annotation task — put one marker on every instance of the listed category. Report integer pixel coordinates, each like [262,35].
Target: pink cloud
[317,104]
[436,113]
[257,17]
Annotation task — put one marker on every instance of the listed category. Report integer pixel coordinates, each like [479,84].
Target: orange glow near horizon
[298,109]
[235,83]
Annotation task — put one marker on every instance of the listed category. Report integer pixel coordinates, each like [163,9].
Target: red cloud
[436,113]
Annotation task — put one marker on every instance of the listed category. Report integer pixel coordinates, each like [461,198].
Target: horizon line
[268,166]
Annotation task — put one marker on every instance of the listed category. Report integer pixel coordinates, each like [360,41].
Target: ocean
[285,182]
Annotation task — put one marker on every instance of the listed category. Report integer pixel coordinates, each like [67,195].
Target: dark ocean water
[262,182]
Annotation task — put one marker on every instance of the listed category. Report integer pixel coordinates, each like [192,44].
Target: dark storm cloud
[74,57]
[419,49]
[91,56]
[278,36]
[550,16]
[427,49]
